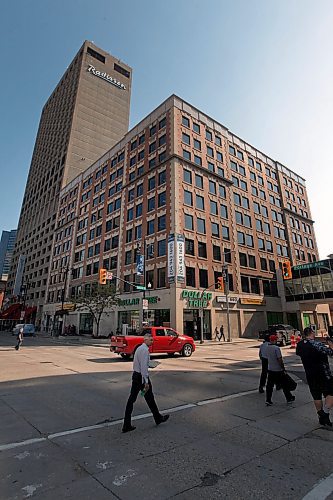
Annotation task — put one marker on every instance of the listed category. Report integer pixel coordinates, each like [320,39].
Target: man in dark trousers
[275,371]
[314,356]
[222,333]
[141,382]
[19,338]
[264,363]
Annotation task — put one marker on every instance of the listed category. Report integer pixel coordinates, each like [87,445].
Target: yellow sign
[258,302]
[67,307]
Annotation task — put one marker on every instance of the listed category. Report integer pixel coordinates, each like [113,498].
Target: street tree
[99,300]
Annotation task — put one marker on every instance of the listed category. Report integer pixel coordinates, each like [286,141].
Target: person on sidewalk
[314,356]
[222,333]
[264,363]
[141,382]
[19,338]
[276,371]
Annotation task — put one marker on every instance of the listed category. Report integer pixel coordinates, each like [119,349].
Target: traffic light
[102,276]
[220,284]
[286,270]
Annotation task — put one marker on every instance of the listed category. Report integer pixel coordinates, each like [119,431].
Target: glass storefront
[152,317]
[192,324]
[86,324]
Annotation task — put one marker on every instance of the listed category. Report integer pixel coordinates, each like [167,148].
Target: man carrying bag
[276,372]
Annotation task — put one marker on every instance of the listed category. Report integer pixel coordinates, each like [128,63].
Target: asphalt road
[61,406]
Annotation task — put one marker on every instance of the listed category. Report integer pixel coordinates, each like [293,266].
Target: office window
[247,221]
[264,211]
[199,181]
[188,198]
[190,276]
[197,160]
[129,235]
[186,138]
[129,214]
[186,155]
[187,176]
[161,277]
[245,284]
[212,187]
[218,140]
[243,185]
[196,128]
[151,183]
[202,250]
[185,121]
[239,217]
[151,204]
[151,226]
[162,140]
[242,259]
[197,144]
[203,278]
[209,135]
[222,191]
[232,150]
[138,232]
[269,246]
[219,156]
[240,155]
[263,264]
[210,152]
[213,207]
[224,211]
[201,225]
[161,223]
[225,233]
[272,267]
[162,199]
[267,228]
[237,199]
[189,222]
[233,166]
[138,210]
[240,238]
[216,253]
[252,261]
[162,178]
[235,180]
[211,166]
[199,202]
[128,257]
[161,248]
[254,190]
[241,170]
[215,229]
[249,240]
[189,247]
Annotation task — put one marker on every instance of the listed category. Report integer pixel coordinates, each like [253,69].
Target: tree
[98,301]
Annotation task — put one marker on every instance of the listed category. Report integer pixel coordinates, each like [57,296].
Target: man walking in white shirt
[141,382]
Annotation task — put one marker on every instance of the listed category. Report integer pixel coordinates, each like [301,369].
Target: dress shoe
[164,418]
[324,418]
[128,429]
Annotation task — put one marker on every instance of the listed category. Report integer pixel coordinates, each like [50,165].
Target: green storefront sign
[196,298]
[136,301]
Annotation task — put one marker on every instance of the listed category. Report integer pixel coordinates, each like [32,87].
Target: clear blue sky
[262,68]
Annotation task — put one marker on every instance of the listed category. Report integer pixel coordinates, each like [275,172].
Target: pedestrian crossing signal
[220,284]
[286,270]
[102,276]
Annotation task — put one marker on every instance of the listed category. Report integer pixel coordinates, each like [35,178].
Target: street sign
[145,304]
[109,275]
[312,265]
[140,287]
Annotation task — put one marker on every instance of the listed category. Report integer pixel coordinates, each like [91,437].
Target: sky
[262,68]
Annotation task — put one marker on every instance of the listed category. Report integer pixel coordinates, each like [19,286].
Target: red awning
[12,312]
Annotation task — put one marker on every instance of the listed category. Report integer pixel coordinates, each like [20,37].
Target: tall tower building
[7,244]
[86,114]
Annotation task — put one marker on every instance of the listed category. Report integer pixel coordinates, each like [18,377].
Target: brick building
[187,193]
[86,114]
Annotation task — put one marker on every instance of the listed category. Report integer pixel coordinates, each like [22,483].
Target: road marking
[321,490]
[9,446]
[187,406]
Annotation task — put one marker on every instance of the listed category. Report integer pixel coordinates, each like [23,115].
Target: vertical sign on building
[171,258]
[19,275]
[180,259]
[140,263]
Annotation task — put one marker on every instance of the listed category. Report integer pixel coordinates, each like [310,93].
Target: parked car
[284,332]
[28,329]
[166,340]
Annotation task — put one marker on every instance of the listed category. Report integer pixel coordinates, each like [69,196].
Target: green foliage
[98,300]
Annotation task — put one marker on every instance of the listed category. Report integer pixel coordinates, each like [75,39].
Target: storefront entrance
[192,324]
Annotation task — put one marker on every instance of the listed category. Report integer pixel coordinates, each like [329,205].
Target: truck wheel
[187,350]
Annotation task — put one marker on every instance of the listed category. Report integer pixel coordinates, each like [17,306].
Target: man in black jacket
[314,356]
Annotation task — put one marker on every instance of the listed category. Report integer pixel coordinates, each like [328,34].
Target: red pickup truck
[166,340]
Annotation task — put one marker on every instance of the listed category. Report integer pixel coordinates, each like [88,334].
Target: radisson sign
[106,77]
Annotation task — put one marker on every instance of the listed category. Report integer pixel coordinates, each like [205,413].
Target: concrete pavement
[220,442]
